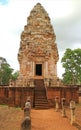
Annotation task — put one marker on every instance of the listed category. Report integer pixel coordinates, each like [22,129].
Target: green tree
[71,61]
[5,72]
[15,75]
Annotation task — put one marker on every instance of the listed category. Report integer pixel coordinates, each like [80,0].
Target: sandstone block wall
[17,96]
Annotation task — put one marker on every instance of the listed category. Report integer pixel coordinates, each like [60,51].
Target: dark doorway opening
[39,69]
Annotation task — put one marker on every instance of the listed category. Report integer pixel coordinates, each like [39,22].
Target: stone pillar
[26,123]
[72,107]
[46,68]
[63,107]
[33,69]
[57,103]
[46,82]
[27,110]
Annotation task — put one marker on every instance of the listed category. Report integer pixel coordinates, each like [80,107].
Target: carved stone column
[46,68]
[33,68]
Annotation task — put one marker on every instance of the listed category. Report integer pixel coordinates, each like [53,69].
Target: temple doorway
[38,69]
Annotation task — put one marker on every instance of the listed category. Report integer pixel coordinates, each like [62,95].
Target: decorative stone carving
[38,45]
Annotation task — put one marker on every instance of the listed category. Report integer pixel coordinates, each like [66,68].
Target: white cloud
[60,69]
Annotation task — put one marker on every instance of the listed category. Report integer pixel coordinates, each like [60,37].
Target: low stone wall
[62,92]
[3,94]
[16,96]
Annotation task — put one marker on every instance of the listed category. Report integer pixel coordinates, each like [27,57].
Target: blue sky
[65,17]
[3,2]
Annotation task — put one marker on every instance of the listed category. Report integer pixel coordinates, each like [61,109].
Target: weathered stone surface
[37,46]
[38,56]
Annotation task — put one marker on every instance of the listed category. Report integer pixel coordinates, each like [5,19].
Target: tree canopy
[15,75]
[71,61]
[6,72]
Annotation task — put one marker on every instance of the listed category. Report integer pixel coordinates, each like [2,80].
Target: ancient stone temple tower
[38,54]
[38,57]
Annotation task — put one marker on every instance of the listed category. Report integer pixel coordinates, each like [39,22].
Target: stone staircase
[41,101]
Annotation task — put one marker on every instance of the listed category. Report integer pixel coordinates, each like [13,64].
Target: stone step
[42,107]
[41,103]
[40,95]
[41,99]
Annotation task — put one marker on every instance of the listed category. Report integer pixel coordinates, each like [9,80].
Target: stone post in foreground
[72,107]
[27,108]
[57,103]
[63,107]
[26,123]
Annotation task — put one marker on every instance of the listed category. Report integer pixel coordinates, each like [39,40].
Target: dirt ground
[11,118]
[50,120]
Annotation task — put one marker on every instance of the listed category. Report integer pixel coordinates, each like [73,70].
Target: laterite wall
[62,92]
[17,96]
